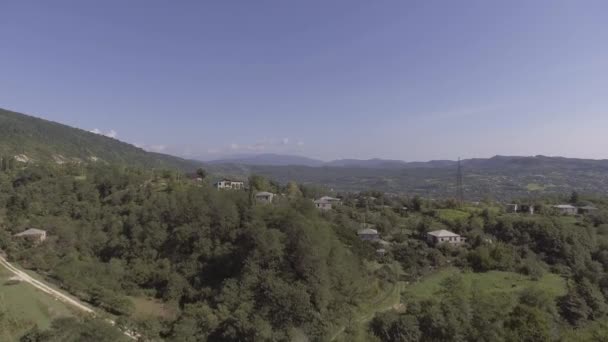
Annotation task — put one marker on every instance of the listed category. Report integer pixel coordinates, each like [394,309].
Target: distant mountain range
[268,159]
[34,140]
[271,159]
[499,177]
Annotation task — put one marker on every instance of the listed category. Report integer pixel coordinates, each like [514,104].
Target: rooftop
[264,194]
[327,199]
[564,206]
[367,231]
[588,207]
[443,233]
[31,231]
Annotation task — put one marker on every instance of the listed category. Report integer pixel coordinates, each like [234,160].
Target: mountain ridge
[269,159]
[32,139]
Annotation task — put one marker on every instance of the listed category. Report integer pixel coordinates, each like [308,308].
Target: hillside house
[586,209]
[264,197]
[566,209]
[520,208]
[368,234]
[35,235]
[227,184]
[326,202]
[444,236]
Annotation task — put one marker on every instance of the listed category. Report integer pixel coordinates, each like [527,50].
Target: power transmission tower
[459,184]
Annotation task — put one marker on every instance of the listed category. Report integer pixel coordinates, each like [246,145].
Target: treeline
[233,270]
[576,248]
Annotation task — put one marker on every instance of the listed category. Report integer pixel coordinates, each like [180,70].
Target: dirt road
[57,294]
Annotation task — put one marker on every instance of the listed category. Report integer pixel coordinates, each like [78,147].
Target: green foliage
[236,271]
[44,141]
[71,329]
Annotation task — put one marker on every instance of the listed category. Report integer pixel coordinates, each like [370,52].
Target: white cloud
[110,134]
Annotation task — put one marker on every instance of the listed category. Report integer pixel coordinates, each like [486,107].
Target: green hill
[36,140]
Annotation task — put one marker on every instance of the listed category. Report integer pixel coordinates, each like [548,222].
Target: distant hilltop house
[368,234]
[444,236]
[520,208]
[227,184]
[326,202]
[33,234]
[264,197]
[566,209]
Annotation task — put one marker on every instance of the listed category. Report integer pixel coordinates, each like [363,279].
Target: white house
[566,209]
[229,184]
[326,202]
[444,236]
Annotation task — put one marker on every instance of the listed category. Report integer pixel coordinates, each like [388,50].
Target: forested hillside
[32,139]
[177,260]
[225,269]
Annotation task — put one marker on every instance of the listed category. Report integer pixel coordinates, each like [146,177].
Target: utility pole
[459,184]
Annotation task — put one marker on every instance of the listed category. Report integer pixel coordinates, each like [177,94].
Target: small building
[227,184]
[520,208]
[444,236]
[264,197]
[526,208]
[368,234]
[33,234]
[326,202]
[381,252]
[566,209]
[586,209]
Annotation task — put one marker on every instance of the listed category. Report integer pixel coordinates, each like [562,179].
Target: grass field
[535,187]
[382,301]
[493,282]
[30,306]
[147,307]
[451,215]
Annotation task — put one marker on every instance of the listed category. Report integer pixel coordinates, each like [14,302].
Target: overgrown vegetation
[214,266]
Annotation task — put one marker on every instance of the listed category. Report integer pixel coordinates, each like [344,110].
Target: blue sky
[411,80]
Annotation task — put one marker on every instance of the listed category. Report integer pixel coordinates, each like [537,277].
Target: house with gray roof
[586,209]
[444,236]
[326,202]
[566,209]
[33,234]
[368,234]
[264,197]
